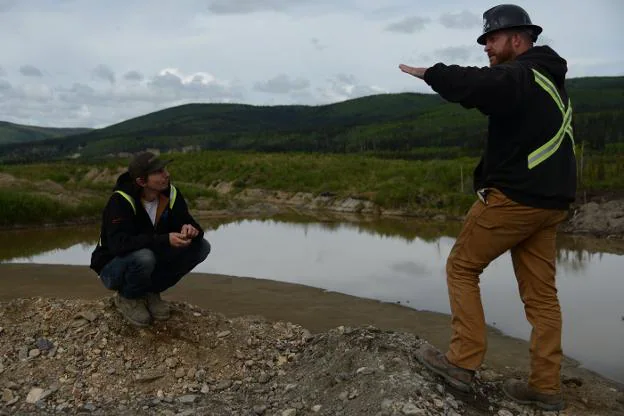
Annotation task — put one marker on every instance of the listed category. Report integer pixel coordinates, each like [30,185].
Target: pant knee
[204,250]
[144,260]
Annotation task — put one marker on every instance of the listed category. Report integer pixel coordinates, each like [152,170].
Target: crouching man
[148,240]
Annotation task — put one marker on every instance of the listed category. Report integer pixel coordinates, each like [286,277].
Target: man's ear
[141,182]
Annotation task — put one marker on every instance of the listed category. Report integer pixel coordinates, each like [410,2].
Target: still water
[394,261]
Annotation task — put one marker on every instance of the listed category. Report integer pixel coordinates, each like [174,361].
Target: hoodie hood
[548,61]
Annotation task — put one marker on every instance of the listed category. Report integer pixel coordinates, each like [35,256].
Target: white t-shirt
[151,208]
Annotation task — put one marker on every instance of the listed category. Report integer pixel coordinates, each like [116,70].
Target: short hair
[526,33]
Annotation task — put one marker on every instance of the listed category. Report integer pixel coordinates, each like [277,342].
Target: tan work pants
[489,231]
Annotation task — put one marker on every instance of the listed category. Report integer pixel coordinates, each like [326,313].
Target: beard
[506,54]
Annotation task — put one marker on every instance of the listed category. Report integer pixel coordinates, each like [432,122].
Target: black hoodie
[522,118]
[124,231]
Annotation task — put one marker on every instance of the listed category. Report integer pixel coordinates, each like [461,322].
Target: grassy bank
[423,186]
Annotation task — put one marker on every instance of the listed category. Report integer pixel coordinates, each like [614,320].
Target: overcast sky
[94,63]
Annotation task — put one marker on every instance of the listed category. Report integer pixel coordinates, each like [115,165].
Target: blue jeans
[143,271]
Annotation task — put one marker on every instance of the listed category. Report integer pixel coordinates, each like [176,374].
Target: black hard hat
[507,16]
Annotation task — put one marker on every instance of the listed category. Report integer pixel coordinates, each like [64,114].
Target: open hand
[417,72]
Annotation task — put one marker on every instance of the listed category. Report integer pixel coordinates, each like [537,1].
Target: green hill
[17,133]
[407,124]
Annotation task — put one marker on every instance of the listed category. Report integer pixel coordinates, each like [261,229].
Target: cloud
[172,84]
[133,76]
[544,40]
[6,5]
[461,54]
[3,73]
[317,44]
[252,6]
[346,86]
[282,84]
[409,25]
[460,20]
[83,105]
[5,87]
[30,71]
[104,72]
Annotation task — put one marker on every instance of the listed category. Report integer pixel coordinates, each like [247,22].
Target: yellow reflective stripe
[127,198]
[550,88]
[172,196]
[551,146]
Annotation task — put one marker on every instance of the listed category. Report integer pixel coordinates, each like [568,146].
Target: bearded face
[499,47]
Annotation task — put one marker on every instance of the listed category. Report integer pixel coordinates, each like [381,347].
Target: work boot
[133,310]
[158,308]
[457,377]
[520,392]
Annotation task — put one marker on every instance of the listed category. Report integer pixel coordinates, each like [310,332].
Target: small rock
[489,376]
[88,315]
[2,329]
[171,362]
[365,370]
[147,376]
[353,394]
[188,399]
[259,409]
[78,323]
[197,314]
[34,395]
[180,372]
[438,403]
[205,389]
[90,407]
[504,412]
[223,334]
[289,412]
[344,395]
[7,395]
[316,408]
[223,385]
[34,353]
[22,354]
[44,344]
[386,404]
[290,387]
[411,409]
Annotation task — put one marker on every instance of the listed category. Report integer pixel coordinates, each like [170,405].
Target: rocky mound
[74,356]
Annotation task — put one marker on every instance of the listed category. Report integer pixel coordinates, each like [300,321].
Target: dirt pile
[74,356]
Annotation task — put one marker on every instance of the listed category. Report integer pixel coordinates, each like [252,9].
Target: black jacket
[522,118]
[124,231]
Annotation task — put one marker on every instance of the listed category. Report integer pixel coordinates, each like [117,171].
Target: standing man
[148,240]
[525,182]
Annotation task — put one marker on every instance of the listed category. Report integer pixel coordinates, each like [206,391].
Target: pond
[391,260]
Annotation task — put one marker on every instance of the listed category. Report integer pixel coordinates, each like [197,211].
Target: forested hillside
[392,125]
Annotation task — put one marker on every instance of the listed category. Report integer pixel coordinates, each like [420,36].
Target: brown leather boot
[434,360]
[520,392]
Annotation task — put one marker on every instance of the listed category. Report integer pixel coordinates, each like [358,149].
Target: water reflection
[391,260]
